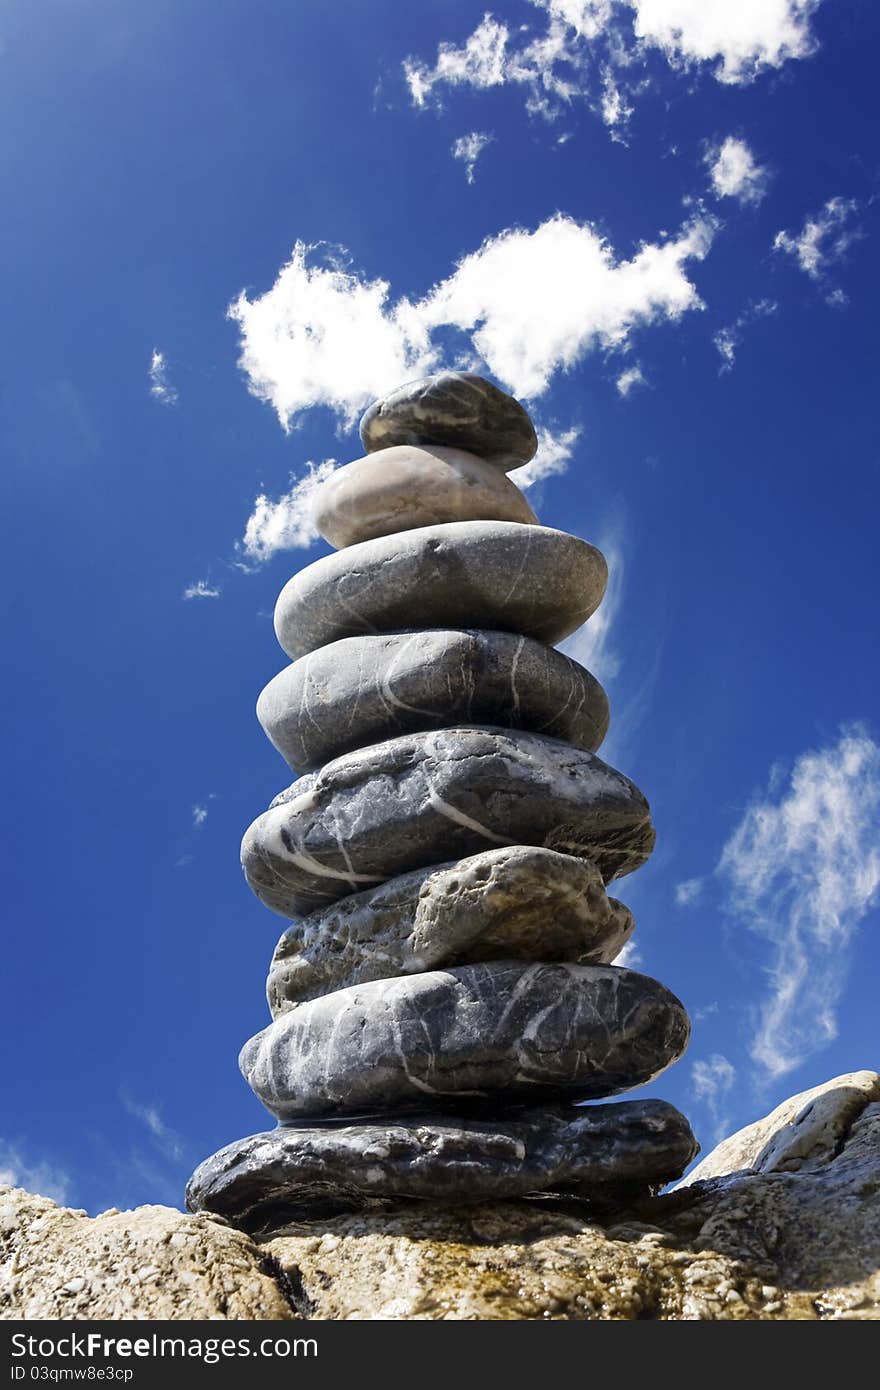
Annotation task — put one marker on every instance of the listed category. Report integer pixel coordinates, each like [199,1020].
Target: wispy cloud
[591,644]
[286,523]
[712,1080]
[728,339]
[628,379]
[201,589]
[165,1139]
[323,335]
[630,957]
[823,240]
[199,814]
[552,457]
[161,388]
[735,173]
[20,1168]
[801,871]
[468,149]
[597,51]
[689,891]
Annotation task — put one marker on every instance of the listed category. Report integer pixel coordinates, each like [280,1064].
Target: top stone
[457,409]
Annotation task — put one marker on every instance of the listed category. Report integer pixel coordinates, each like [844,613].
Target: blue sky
[228,228]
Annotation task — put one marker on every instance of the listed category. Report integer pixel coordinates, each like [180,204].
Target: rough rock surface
[500,1030]
[802,1134]
[801,1245]
[599,1152]
[149,1263]
[520,903]
[401,488]
[476,574]
[362,689]
[425,798]
[455,408]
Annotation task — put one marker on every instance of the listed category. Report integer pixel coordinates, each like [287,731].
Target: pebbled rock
[520,903]
[152,1263]
[476,574]
[362,689]
[404,487]
[454,408]
[598,1152]
[803,1134]
[503,1029]
[425,798]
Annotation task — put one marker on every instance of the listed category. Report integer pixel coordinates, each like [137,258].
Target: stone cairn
[445,994]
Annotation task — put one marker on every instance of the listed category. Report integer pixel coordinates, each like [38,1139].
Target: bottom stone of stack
[602,1153]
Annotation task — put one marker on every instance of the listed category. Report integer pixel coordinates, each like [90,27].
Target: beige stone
[400,488]
[150,1263]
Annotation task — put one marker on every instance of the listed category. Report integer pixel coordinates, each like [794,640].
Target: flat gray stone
[475,574]
[360,690]
[520,1032]
[426,798]
[455,408]
[404,487]
[517,904]
[603,1152]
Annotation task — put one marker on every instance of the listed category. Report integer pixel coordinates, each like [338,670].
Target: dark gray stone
[363,689]
[425,798]
[516,904]
[603,1152]
[498,1030]
[457,409]
[474,574]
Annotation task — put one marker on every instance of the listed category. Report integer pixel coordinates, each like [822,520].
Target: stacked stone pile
[445,994]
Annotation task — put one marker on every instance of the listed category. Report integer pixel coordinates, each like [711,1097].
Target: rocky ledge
[780,1221]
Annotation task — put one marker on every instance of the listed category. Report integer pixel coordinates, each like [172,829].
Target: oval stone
[607,1153]
[404,487]
[426,798]
[520,903]
[455,408]
[470,1033]
[363,689]
[531,580]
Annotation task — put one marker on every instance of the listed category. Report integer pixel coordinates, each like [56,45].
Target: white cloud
[324,336]
[161,388]
[201,589]
[712,1080]
[728,339]
[200,815]
[802,869]
[18,1169]
[468,148]
[630,377]
[740,37]
[823,239]
[597,50]
[735,173]
[688,892]
[591,644]
[285,524]
[630,957]
[706,1011]
[165,1139]
[552,457]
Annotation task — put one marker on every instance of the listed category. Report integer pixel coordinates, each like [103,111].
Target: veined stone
[425,798]
[604,1152]
[363,689]
[476,574]
[520,903]
[497,1030]
[404,487]
[454,408]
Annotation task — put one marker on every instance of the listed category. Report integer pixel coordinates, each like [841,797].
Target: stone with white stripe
[425,798]
[476,574]
[362,689]
[601,1153]
[520,903]
[474,1033]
